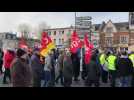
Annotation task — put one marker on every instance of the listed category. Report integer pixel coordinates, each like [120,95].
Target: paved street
[74,84]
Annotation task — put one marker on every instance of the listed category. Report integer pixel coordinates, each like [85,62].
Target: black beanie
[20,52]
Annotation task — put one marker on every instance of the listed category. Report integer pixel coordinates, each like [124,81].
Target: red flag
[76,43]
[45,40]
[46,44]
[22,43]
[88,48]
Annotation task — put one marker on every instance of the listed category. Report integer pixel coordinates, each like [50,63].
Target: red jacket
[8,58]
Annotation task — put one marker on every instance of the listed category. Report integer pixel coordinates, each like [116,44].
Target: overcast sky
[10,20]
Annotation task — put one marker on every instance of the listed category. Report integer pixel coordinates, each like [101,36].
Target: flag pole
[75,21]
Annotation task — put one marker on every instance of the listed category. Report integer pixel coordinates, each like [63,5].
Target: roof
[121,25]
[97,26]
[117,25]
[71,27]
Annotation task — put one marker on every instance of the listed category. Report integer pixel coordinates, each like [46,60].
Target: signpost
[83,25]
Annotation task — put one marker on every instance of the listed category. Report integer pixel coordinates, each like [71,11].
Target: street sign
[84,18]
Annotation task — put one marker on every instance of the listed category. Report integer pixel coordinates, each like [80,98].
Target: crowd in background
[27,68]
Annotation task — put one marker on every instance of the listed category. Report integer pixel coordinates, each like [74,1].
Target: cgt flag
[76,43]
[88,48]
[46,44]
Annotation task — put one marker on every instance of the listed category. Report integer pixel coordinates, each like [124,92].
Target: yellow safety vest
[102,59]
[131,57]
[111,62]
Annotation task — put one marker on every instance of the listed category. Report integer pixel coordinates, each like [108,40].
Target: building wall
[102,40]
[95,37]
[115,35]
[60,35]
[12,44]
[131,40]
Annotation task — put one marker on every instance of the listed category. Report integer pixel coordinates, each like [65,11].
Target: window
[54,32]
[109,30]
[69,33]
[8,36]
[54,40]
[49,33]
[14,37]
[123,39]
[109,41]
[59,41]
[62,40]
[132,19]
[95,42]
[59,32]
[62,32]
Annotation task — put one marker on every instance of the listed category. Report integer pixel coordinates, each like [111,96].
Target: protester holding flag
[93,70]
[76,44]
[88,49]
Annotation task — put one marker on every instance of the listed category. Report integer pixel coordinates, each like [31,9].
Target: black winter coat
[124,67]
[93,71]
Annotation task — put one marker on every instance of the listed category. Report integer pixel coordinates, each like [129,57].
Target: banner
[46,44]
[76,43]
[88,48]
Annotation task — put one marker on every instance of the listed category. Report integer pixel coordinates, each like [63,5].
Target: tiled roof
[121,25]
[117,25]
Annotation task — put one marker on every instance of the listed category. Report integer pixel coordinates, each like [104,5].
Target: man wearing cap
[37,68]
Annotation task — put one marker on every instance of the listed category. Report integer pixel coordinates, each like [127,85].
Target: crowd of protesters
[27,68]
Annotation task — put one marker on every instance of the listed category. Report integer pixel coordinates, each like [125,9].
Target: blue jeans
[124,81]
[47,78]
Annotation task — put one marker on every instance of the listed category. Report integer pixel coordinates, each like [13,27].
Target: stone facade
[9,40]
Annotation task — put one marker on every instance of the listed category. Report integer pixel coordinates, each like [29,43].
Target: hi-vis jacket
[102,59]
[111,62]
[131,57]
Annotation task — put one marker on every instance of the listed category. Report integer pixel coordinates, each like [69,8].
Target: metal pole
[90,30]
[75,21]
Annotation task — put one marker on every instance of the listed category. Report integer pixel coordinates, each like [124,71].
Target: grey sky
[10,20]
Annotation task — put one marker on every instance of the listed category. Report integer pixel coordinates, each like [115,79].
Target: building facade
[11,41]
[114,35]
[60,35]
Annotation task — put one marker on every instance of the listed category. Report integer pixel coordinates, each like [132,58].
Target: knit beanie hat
[20,52]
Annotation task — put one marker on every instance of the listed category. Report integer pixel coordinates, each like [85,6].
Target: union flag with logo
[76,43]
[46,44]
[88,49]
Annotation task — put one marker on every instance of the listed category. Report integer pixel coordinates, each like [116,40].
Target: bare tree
[25,29]
[42,27]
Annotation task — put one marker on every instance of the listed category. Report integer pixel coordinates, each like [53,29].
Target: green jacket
[111,62]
